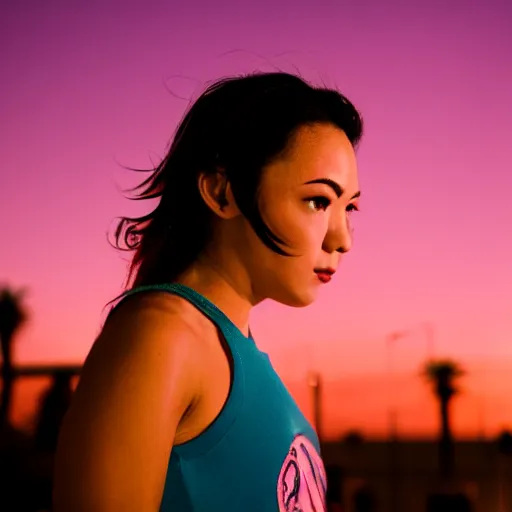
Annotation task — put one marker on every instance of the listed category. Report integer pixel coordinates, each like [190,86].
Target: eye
[318,203]
[350,209]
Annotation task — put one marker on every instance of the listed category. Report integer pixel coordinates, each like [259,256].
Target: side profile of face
[306,198]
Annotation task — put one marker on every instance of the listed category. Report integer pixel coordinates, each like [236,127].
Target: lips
[324,277]
[324,274]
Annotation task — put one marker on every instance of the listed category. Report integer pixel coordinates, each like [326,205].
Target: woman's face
[306,199]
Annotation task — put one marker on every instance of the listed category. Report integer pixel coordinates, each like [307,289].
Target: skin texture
[239,271]
[158,374]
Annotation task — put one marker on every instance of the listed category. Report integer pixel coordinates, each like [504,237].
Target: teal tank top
[260,454]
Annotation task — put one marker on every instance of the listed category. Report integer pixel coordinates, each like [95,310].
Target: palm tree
[442,374]
[12,316]
[505,443]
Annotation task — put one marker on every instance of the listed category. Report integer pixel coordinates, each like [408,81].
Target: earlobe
[215,190]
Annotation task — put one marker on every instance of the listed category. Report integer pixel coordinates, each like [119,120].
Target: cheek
[300,229]
[307,234]
[278,216]
[306,242]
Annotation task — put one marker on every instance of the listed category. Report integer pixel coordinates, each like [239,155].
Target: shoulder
[135,311]
[168,309]
[151,332]
[140,378]
[147,348]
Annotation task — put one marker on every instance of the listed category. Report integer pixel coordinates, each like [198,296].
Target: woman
[177,409]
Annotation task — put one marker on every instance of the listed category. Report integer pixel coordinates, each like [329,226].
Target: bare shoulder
[169,309]
[141,376]
[150,333]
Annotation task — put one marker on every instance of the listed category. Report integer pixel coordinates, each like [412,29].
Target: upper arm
[139,379]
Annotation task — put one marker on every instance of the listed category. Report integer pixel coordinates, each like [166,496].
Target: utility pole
[315,384]
[392,413]
[394,505]
[394,470]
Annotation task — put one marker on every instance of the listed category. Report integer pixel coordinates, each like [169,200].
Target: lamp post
[391,339]
[394,473]
[315,384]
[394,501]
[392,413]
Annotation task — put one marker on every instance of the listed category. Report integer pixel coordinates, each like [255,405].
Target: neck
[223,288]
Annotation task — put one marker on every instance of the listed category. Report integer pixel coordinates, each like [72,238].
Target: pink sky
[85,89]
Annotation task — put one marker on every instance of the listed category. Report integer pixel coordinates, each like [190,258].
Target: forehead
[318,151]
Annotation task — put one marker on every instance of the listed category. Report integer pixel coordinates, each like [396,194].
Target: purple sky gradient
[85,89]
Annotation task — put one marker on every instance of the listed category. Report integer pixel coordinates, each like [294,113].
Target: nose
[339,235]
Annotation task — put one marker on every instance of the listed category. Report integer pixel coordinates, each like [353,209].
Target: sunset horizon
[87,94]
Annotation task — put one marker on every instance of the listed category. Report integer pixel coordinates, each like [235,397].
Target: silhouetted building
[367,473]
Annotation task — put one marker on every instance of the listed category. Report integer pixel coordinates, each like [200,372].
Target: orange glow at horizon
[429,245]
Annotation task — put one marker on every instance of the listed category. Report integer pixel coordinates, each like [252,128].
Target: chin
[297,300]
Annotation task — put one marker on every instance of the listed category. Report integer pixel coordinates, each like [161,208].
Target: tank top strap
[228,328]
[242,351]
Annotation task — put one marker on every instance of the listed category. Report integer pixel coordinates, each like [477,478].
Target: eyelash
[324,203]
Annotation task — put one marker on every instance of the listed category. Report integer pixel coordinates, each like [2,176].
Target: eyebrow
[335,186]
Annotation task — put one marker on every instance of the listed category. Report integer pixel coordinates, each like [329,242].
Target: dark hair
[238,125]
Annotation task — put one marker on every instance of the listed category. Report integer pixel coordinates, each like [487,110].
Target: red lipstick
[324,274]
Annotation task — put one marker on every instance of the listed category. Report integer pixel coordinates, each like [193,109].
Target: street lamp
[394,473]
[315,384]
[391,340]
[392,413]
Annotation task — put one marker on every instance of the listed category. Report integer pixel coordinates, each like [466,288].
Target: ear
[216,192]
